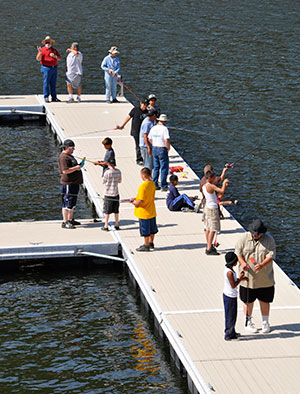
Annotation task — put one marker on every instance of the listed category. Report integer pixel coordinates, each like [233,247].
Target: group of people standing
[48,57]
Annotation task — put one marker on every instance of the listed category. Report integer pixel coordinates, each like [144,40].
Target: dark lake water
[226,73]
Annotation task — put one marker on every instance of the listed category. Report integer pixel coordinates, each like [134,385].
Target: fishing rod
[127,87]
[227,165]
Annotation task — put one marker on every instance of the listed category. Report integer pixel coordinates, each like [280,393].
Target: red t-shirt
[47,60]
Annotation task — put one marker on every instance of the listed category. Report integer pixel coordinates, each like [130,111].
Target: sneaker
[151,245]
[55,100]
[108,102]
[115,101]
[68,225]
[46,99]
[164,189]
[140,163]
[104,228]
[117,227]
[157,188]
[233,338]
[75,223]
[211,252]
[71,100]
[251,326]
[78,99]
[265,327]
[143,248]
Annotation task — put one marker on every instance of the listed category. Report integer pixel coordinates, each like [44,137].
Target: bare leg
[106,219]
[152,238]
[264,308]
[116,219]
[147,240]
[69,88]
[210,238]
[79,90]
[248,308]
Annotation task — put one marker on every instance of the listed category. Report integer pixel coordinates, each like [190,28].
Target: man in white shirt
[74,72]
[159,138]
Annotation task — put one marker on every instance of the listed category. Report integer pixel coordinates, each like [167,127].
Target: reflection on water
[77,333]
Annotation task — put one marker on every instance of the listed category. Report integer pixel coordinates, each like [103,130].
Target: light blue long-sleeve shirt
[146,126]
[111,63]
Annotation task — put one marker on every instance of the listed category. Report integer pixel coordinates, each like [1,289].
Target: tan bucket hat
[48,38]
[114,50]
[163,118]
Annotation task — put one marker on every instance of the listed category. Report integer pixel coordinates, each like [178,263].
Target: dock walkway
[181,284]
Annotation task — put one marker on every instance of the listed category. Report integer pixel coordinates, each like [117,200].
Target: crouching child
[175,201]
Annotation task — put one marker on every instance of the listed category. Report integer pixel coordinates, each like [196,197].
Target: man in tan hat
[159,138]
[48,57]
[111,67]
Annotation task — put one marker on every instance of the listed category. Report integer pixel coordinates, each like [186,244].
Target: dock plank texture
[186,283]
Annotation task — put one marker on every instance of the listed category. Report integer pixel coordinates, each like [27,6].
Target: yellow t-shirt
[146,193]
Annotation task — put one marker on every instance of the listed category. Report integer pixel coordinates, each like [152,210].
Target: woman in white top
[211,211]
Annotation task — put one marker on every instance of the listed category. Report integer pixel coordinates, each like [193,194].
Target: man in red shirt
[48,56]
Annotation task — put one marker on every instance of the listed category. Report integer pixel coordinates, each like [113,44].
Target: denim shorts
[69,196]
[148,227]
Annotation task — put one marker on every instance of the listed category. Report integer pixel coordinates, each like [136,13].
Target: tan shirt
[265,247]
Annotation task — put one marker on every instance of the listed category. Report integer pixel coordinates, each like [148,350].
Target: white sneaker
[265,327]
[251,327]
[78,99]
[71,100]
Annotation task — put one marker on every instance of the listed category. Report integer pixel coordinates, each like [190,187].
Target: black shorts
[264,294]
[111,204]
[69,196]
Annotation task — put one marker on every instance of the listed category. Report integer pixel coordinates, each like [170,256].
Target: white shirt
[74,64]
[158,134]
[211,198]
[228,290]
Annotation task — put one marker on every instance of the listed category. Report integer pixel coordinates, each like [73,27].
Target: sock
[265,319]
[71,96]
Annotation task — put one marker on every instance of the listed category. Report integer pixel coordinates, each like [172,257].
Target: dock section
[178,281]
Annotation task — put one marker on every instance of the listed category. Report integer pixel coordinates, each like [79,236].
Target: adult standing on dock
[159,138]
[70,179]
[256,250]
[74,72]
[48,57]
[145,145]
[136,114]
[111,66]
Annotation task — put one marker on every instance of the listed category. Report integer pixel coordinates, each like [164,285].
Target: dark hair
[209,174]
[173,178]
[146,171]
[107,141]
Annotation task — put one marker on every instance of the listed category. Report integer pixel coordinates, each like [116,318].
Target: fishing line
[127,87]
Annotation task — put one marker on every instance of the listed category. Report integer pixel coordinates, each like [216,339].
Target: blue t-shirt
[146,126]
[172,194]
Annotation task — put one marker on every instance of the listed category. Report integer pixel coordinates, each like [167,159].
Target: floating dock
[179,283]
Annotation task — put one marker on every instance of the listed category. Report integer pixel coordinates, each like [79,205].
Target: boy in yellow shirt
[145,210]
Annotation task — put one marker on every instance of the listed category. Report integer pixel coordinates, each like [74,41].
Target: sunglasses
[47,42]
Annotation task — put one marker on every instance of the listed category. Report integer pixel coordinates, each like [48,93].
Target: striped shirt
[110,179]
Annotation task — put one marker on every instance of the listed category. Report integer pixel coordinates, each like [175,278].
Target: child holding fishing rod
[109,155]
[230,295]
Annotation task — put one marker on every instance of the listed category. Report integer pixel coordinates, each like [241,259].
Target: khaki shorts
[212,219]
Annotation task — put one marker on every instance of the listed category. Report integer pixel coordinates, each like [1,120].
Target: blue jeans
[49,80]
[110,86]
[181,201]
[148,160]
[160,162]
[230,306]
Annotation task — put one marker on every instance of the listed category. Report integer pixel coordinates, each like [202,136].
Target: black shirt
[137,117]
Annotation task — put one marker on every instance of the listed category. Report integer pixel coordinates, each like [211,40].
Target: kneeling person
[175,201]
[112,177]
